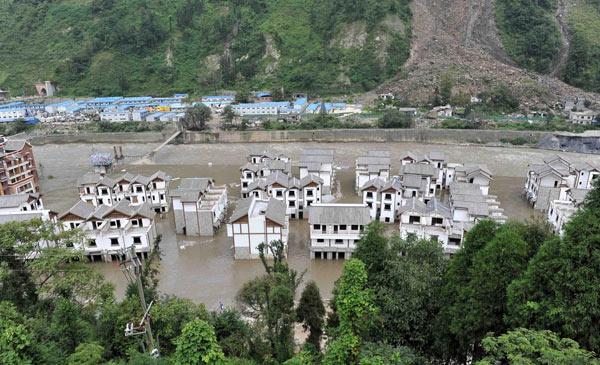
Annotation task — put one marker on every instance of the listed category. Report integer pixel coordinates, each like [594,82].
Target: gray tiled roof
[278,178]
[553,158]
[81,209]
[10,201]
[413,205]
[241,209]
[435,206]
[392,184]
[376,183]
[411,181]
[373,160]
[437,156]
[196,183]
[89,179]
[419,169]
[309,179]
[159,175]
[20,217]
[276,211]
[339,214]
[14,145]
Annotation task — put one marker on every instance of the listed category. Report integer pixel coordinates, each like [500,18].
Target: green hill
[114,47]
[531,37]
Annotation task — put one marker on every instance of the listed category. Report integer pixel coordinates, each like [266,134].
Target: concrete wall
[364,135]
[145,137]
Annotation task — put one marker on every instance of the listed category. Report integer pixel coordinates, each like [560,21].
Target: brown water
[203,269]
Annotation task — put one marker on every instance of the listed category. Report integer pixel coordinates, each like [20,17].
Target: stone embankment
[568,142]
[466,136]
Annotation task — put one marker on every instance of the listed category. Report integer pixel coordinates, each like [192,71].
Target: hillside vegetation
[583,68]
[109,47]
[528,31]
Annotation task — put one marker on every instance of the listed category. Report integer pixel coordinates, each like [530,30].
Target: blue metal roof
[117,112]
[14,109]
[167,115]
[301,101]
[219,97]
[262,105]
[155,115]
[339,105]
[313,106]
[135,98]
[180,95]
[108,99]
[10,105]
[262,95]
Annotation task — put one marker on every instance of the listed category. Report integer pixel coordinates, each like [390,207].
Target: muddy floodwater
[203,269]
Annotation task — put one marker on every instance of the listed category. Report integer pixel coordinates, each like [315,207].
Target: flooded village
[203,268]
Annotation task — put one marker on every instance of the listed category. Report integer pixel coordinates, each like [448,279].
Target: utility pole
[136,265]
[138,273]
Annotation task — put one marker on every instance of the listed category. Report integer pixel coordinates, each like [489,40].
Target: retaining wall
[364,135]
[145,137]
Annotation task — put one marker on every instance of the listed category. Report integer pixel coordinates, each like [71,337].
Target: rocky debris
[571,143]
[469,49]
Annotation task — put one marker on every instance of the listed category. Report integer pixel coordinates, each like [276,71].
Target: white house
[321,163]
[474,174]
[585,117]
[371,197]
[116,116]
[139,115]
[335,229]
[199,206]
[562,209]
[97,189]
[377,164]
[257,221]
[263,108]
[113,230]
[428,221]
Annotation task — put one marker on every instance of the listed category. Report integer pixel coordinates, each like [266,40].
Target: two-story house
[199,206]
[335,229]
[257,221]
[321,163]
[377,164]
[113,230]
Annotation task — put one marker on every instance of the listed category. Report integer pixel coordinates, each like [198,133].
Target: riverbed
[203,269]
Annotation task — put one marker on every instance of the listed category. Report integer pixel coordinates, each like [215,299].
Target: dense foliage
[583,66]
[110,47]
[529,32]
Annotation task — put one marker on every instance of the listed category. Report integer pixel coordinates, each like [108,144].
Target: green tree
[395,119]
[355,310]
[384,354]
[196,118]
[524,346]
[56,272]
[407,294]
[559,290]
[67,328]
[446,85]
[269,300]
[228,117]
[15,339]
[169,317]
[233,333]
[372,248]
[473,299]
[198,345]
[310,313]
[87,354]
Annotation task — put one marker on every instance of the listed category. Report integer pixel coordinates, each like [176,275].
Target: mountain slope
[107,47]
[470,51]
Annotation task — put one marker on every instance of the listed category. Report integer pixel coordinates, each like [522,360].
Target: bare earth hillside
[460,37]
